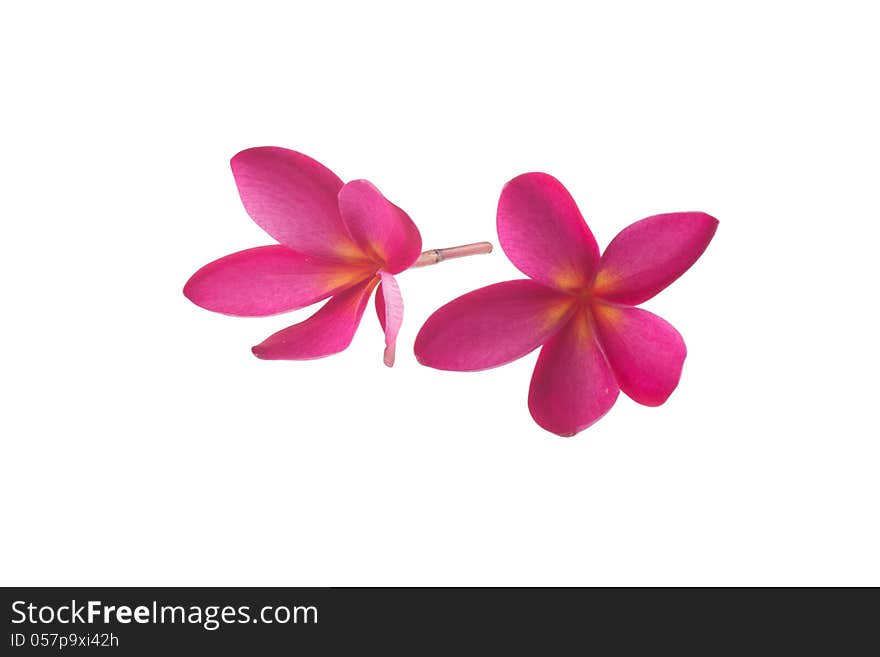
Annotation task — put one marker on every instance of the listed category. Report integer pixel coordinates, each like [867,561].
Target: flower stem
[433,256]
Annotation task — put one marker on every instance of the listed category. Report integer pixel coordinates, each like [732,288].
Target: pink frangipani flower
[337,240]
[578,305]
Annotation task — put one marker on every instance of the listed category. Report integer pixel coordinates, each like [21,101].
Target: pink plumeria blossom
[337,240]
[578,305]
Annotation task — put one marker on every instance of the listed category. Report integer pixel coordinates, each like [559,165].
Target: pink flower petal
[294,199]
[645,351]
[380,228]
[543,233]
[572,385]
[380,306]
[491,326]
[392,313]
[650,254]
[267,280]
[328,331]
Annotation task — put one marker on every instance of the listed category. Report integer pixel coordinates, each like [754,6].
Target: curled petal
[267,280]
[380,228]
[328,331]
[572,385]
[648,255]
[389,306]
[645,351]
[294,199]
[380,306]
[543,233]
[491,326]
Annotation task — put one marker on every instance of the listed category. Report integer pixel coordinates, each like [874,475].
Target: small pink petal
[267,280]
[491,326]
[392,306]
[645,352]
[543,233]
[294,199]
[380,228]
[380,306]
[572,385]
[328,331]
[648,255]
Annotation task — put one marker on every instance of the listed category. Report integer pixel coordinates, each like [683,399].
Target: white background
[142,443]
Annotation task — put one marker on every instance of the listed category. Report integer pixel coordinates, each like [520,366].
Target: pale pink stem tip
[433,256]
